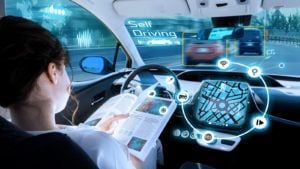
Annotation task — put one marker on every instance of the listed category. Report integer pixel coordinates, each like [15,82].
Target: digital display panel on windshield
[270,41]
[222,103]
[220,33]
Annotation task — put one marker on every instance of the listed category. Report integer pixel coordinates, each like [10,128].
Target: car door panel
[90,98]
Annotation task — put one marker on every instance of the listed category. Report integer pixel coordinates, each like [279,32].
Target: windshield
[271,42]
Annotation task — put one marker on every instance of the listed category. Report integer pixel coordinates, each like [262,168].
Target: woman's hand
[136,162]
[109,124]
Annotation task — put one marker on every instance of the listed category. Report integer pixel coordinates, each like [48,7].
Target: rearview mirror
[96,65]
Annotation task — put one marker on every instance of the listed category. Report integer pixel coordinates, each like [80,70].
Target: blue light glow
[163,110]
[259,122]
[54,11]
[192,135]
[244,133]
[84,39]
[176,132]
[208,137]
[170,80]
[151,93]
[281,65]
[183,97]
[185,134]
[159,42]
[254,72]
[223,63]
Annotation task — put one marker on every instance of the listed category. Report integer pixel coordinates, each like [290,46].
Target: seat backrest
[52,150]
[10,134]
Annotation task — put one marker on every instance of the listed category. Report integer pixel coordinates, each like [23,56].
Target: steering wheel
[150,67]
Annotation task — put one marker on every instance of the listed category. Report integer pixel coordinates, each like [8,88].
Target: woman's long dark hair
[26,49]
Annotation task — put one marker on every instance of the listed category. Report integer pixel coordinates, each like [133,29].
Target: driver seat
[51,150]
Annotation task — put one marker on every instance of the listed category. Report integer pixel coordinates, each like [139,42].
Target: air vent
[242,2]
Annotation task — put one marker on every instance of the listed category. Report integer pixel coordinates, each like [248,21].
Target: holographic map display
[222,103]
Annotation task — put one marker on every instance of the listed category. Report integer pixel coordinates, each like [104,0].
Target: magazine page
[120,104]
[148,115]
[144,125]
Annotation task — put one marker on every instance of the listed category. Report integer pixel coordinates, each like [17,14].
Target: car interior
[235,109]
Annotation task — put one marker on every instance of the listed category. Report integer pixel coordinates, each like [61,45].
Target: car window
[81,33]
[271,42]
[251,34]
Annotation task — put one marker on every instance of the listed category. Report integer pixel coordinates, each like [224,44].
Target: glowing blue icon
[192,135]
[183,96]
[84,39]
[151,93]
[208,137]
[281,65]
[259,122]
[197,134]
[254,72]
[223,63]
[170,80]
[54,11]
[176,132]
[185,134]
[163,110]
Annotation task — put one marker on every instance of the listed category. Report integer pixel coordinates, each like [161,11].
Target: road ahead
[279,58]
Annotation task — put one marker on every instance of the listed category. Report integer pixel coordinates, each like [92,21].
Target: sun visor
[144,8]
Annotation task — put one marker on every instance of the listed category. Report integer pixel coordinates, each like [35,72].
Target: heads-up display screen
[222,103]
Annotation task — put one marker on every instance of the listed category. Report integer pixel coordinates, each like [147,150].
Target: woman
[35,86]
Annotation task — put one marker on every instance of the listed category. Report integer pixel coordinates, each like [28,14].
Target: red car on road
[203,51]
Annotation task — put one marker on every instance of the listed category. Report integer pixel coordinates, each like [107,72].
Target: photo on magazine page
[154,106]
[136,143]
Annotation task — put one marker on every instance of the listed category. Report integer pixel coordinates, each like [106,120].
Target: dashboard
[219,114]
[189,136]
[219,109]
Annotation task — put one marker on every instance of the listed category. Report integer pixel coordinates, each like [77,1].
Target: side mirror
[96,65]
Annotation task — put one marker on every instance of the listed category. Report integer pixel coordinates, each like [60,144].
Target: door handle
[96,100]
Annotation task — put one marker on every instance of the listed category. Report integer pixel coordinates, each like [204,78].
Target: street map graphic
[223,103]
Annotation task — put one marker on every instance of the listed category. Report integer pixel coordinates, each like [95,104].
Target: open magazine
[148,115]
